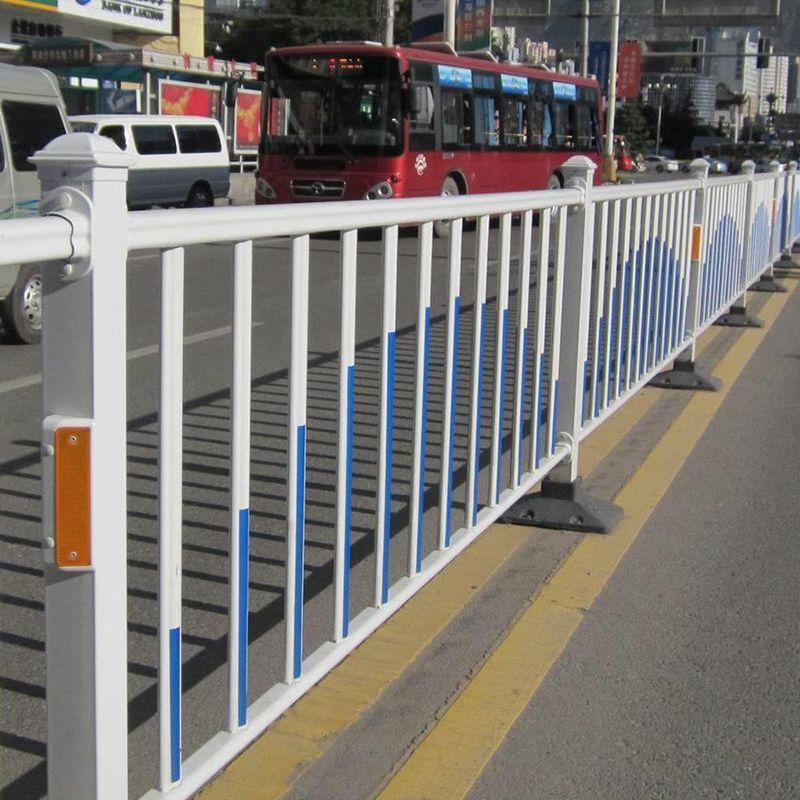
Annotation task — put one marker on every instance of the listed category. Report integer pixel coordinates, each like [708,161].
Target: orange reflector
[73,533]
[697,232]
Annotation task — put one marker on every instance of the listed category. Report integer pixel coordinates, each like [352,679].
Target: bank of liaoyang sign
[150,15]
[146,15]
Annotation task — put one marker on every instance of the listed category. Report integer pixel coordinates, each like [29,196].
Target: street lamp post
[661,88]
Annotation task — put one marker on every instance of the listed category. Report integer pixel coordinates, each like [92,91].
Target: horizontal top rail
[39,239]
[206,225]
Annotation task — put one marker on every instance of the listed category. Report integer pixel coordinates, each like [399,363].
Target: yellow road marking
[449,760]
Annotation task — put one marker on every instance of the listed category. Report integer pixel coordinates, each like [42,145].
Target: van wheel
[200,196]
[441,227]
[22,308]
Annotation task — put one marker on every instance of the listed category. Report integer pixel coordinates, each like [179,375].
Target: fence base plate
[737,317]
[683,376]
[767,283]
[566,507]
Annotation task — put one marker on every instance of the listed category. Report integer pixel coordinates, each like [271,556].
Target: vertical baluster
[383,530]
[344,462]
[421,398]
[240,484]
[555,352]
[501,336]
[170,515]
[450,384]
[537,443]
[296,480]
[476,389]
[523,297]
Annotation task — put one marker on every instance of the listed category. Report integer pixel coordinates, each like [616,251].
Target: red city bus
[352,121]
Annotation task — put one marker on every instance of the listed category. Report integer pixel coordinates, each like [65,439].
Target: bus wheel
[555,182]
[441,227]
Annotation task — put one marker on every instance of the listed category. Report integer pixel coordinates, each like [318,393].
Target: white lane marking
[140,352]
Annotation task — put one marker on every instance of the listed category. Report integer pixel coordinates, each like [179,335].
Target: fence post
[83,179]
[790,210]
[767,282]
[794,213]
[737,316]
[684,374]
[562,502]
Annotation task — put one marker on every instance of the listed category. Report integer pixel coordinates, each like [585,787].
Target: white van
[176,160]
[32,113]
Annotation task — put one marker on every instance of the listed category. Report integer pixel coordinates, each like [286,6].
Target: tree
[292,22]
[634,121]
[740,100]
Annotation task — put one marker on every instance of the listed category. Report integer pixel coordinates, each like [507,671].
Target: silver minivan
[32,113]
[175,161]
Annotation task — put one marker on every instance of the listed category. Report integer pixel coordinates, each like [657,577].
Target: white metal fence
[552,321]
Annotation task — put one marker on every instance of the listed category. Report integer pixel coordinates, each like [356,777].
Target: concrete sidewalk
[533,667]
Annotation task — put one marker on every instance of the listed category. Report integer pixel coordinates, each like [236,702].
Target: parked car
[661,164]
[177,161]
[32,112]
[715,165]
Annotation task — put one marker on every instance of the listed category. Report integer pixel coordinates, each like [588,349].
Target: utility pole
[585,40]
[609,165]
[450,22]
[389,38]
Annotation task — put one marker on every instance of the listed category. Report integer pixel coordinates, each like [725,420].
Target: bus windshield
[334,105]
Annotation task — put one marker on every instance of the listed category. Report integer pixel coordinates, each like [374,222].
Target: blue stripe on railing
[538,412]
[453,404]
[601,354]
[669,320]
[299,551]
[351,399]
[501,404]
[391,347]
[555,418]
[479,412]
[175,703]
[424,437]
[522,395]
[244,593]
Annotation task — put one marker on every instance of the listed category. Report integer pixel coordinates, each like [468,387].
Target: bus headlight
[265,190]
[380,191]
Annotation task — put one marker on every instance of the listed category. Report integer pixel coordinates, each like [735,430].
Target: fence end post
[83,180]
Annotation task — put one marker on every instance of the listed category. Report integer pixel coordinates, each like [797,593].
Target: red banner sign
[189,99]
[629,74]
[248,120]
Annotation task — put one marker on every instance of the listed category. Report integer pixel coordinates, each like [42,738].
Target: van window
[2,156]
[117,135]
[30,127]
[154,139]
[198,139]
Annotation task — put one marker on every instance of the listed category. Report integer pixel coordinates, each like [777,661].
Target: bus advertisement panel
[367,121]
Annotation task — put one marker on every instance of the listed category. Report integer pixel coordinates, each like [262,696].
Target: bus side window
[583,128]
[456,119]
[487,121]
[515,122]
[421,131]
[563,125]
[548,137]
